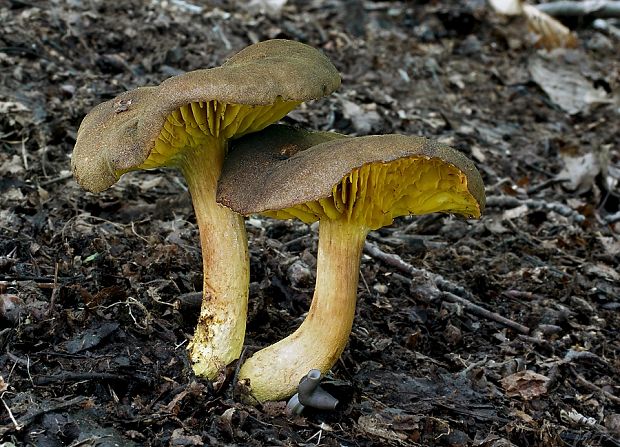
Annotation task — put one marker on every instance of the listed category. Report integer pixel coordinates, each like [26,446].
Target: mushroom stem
[218,339]
[274,372]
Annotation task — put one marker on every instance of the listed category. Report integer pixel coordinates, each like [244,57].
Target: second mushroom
[351,185]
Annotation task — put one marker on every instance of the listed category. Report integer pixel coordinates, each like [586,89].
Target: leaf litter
[521,303]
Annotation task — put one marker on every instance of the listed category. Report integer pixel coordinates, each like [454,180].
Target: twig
[534,204]
[42,281]
[540,186]
[237,369]
[17,359]
[612,218]
[482,312]
[450,291]
[50,306]
[82,376]
[28,418]
[605,26]
[89,441]
[57,179]
[592,8]
[25,153]
[190,301]
[16,425]
[585,382]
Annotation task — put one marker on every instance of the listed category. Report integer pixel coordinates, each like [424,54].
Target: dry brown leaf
[388,426]
[3,385]
[551,33]
[525,384]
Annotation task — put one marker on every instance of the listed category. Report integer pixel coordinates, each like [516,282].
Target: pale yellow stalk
[274,372]
[219,335]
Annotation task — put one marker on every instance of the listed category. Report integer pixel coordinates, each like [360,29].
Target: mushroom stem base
[219,335]
[274,372]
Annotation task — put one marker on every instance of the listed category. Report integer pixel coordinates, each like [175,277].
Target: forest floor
[97,292]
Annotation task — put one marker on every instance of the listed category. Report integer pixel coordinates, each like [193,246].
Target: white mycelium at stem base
[275,371]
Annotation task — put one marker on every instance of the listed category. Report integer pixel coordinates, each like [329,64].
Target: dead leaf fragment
[551,33]
[90,338]
[564,84]
[13,165]
[179,438]
[364,119]
[270,7]
[515,213]
[3,385]
[389,424]
[12,107]
[610,244]
[525,384]
[493,441]
[579,172]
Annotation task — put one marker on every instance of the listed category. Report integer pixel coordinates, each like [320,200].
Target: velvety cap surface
[283,167]
[119,134]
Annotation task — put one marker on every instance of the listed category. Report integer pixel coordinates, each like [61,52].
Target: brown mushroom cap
[283,172]
[253,89]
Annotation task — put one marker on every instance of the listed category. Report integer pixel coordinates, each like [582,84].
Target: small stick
[28,418]
[69,376]
[591,8]
[16,425]
[50,306]
[585,382]
[450,291]
[504,202]
[482,312]
[237,369]
[612,218]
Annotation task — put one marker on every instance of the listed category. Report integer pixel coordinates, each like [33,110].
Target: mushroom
[351,185]
[186,122]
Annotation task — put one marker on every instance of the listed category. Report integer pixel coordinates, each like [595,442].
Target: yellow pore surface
[195,124]
[374,194]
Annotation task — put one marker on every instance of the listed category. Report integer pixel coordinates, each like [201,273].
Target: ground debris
[526,384]
[99,294]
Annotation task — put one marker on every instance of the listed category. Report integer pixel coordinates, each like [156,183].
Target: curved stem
[274,372]
[219,335]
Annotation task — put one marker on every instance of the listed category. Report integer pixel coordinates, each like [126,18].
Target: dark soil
[97,302]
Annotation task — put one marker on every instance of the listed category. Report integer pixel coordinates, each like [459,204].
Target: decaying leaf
[525,384]
[14,165]
[12,107]
[579,172]
[564,84]
[90,338]
[269,7]
[493,440]
[389,424]
[610,244]
[551,33]
[576,418]
[364,119]
[3,385]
